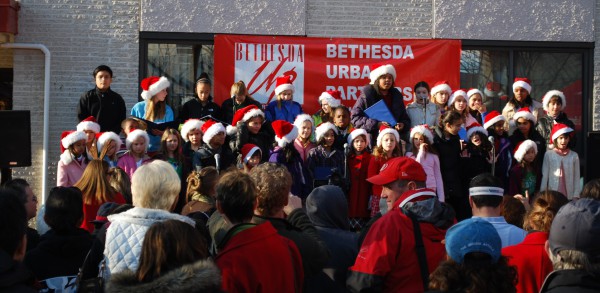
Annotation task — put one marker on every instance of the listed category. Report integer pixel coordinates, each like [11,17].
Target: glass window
[486,70]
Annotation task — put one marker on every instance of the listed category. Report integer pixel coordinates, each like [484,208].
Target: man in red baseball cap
[404,246]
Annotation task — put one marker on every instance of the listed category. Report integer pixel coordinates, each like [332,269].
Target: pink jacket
[69,170]
[128,164]
[431,165]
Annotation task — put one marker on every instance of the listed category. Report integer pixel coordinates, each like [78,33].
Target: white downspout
[46,52]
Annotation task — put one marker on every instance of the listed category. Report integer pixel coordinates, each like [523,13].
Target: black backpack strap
[420,249]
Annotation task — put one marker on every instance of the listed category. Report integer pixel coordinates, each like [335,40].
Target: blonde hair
[155,185]
[94,184]
[201,182]
[273,183]
[543,210]
[155,110]
[239,89]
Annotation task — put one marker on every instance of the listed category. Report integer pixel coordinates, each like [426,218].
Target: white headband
[486,190]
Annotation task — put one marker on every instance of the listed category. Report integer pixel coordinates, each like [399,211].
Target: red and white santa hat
[522,82]
[89,124]
[415,195]
[70,137]
[283,83]
[457,93]
[135,134]
[473,91]
[323,128]
[285,132]
[525,113]
[552,93]
[383,130]
[243,115]
[559,129]
[492,89]
[105,137]
[300,119]
[358,132]
[423,129]
[475,127]
[333,98]
[378,70]
[441,86]
[210,128]
[189,125]
[491,118]
[248,150]
[153,85]
[522,149]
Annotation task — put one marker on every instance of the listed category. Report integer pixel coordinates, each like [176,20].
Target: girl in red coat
[358,164]
[388,146]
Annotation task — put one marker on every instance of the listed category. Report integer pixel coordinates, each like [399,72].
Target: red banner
[320,64]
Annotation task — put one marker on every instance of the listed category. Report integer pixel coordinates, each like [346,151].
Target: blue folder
[379,111]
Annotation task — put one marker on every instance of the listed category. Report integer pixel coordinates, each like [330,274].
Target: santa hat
[190,125]
[378,70]
[525,113]
[492,89]
[456,93]
[283,83]
[358,132]
[475,127]
[441,86]
[552,93]
[285,132]
[248,150]
[559,129]
[70,137]
[105,137]
[323,128]
[243,115]
[473,91]
[383,130]
[89,124]
[135,134]
[153,85]
[333,98]
[522,82]
[210,128]
[523,147]
[301,119]
[423,130]
[491,118]
[415,195]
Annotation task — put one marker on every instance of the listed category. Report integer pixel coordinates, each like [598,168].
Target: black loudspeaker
[592,157]
[15,139]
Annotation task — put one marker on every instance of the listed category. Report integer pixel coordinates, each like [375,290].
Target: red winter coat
[387,261]
[374,166]
[531,261]
[91,210]
[360,189]
[260,260]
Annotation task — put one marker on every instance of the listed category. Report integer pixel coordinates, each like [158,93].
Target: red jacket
[258,259]
[531,261]
[387,261]
[360,189]
[91,210]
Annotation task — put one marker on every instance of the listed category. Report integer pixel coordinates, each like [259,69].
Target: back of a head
[326,206]
[273,183]
[19,186]
[155,185]
[543,210]
[94,184]
[202,182]
[13,222]
[591,190]
[574,238]
[486,190]
[64,209]
[169,245]
[236,196]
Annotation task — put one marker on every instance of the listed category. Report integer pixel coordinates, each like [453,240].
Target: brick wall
[369,19]
[80,34]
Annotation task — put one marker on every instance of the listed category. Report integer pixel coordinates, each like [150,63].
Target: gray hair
[155,185]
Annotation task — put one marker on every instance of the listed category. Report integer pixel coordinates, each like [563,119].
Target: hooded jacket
[201,276]
[387,261]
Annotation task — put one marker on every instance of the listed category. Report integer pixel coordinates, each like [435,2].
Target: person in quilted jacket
[155,188]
